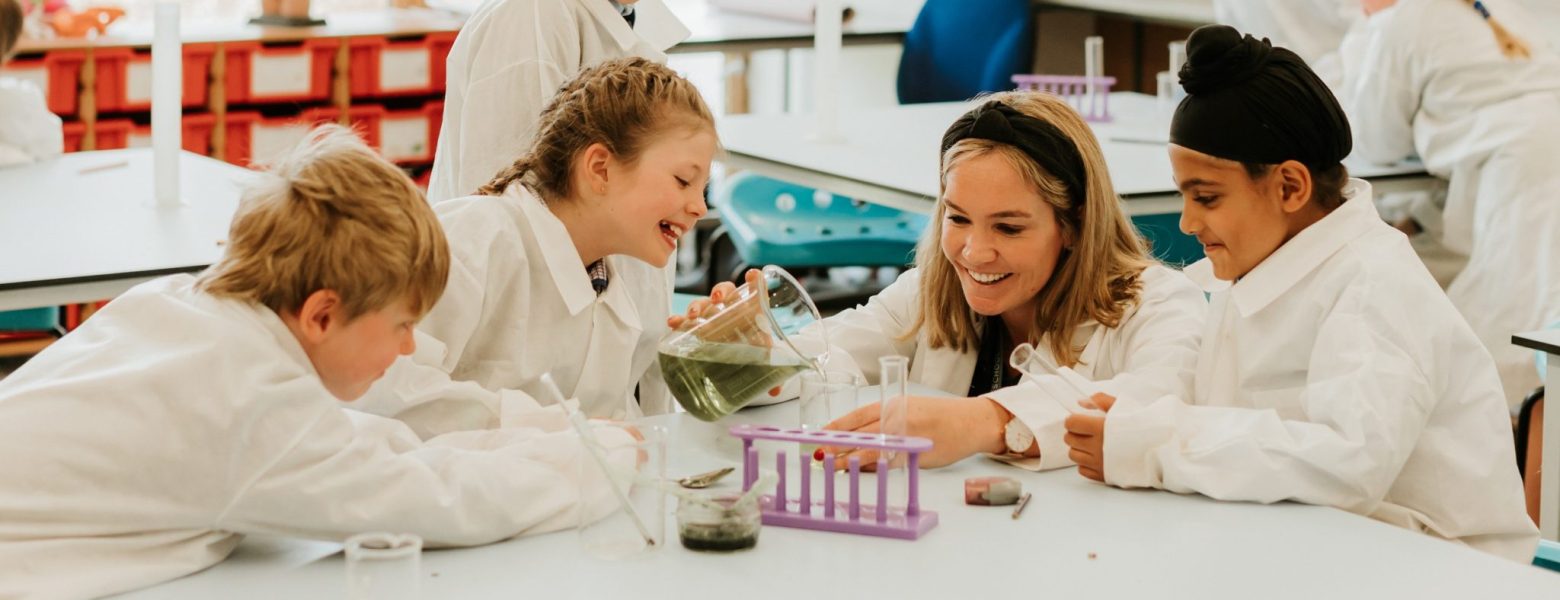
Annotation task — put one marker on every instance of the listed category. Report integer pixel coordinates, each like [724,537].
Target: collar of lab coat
[268,320]
[563,260]
[653,22]
[1299,256]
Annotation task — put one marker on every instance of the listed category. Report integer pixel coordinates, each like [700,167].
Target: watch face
[1018,440]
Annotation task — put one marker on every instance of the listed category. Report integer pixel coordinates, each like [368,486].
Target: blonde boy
[190,411]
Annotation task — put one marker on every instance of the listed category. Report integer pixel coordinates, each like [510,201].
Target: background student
[1478,100]
[509,59]
[28,131]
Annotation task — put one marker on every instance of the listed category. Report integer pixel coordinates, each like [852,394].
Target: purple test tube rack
[879,519]
[1075,90]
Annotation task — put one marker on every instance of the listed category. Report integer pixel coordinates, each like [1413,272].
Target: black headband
[1042,142]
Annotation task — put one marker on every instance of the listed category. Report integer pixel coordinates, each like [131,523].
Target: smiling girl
[1029,245]
[558,264]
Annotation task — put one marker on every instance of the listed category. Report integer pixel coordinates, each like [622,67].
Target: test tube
[780,487]
[167,84]
[1093,63]
[828,486]
[892,420]
[855,488]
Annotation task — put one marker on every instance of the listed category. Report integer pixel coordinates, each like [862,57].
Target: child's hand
[1085,438]
[724,294]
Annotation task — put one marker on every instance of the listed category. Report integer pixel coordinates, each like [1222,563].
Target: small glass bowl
[705,528]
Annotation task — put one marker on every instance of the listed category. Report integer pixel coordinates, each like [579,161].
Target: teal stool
[1548,555]
[772,222]
[1166,242]
[31,319]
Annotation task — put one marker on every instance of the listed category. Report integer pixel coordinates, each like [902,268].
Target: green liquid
[711,380]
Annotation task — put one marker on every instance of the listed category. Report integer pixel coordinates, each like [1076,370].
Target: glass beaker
[608,529]
[716,364]
[717,521]
[383,565]
[826,396]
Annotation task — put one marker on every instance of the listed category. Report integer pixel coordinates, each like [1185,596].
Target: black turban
[1250,102]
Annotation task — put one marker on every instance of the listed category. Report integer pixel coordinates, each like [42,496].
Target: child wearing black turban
[1336,372]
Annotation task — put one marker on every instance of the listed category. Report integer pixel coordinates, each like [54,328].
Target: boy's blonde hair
[10,27]
[620,103]
[1096,278]
[331,214]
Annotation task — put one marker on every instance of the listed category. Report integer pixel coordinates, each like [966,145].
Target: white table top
[714,29]
[1147,544]
[1189,13]
[886,19]
[63,227]
[893,151]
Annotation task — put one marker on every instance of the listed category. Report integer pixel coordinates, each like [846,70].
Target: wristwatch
[1018,436]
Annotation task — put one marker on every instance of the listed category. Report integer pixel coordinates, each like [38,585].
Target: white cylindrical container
[167,104]
[827,25]
[1093,69]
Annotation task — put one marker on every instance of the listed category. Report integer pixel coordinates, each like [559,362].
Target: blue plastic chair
[772,222]
[1548,555]
[958,49]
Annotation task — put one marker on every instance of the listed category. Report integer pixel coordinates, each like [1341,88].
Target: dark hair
[10,27]
[1327,183]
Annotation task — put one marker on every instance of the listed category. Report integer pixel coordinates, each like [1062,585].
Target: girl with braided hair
[560,263]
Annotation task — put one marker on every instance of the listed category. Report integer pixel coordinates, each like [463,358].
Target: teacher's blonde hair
[1097,276]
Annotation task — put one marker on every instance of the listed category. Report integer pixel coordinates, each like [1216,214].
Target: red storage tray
[440,44]
[74,132]
[113,134]
[298,72]
[57,74]
[383,67]
[252,137]
[409,136]
[112,66]
[197,134]
[136,93]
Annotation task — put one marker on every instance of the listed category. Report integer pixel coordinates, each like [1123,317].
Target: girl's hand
[723,295]
[1085,438]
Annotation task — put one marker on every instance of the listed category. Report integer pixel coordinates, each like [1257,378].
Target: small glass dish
[716,522]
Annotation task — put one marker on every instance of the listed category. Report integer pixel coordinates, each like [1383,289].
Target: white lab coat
[144,445]
[519,304]
[1425,77]
[1313,29]
[510,58]
[1150,354]
[28,131]
[1336,373]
